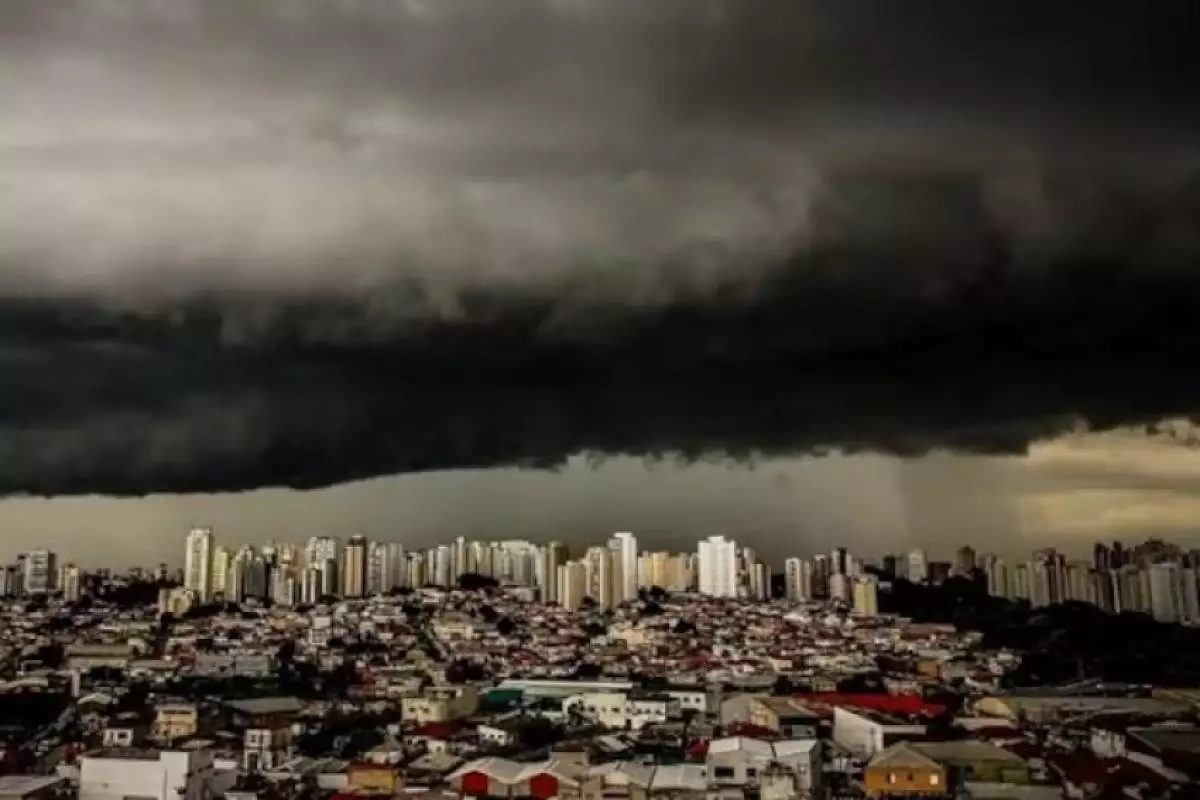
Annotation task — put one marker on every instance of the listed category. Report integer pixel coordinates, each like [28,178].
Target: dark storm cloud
[129,421]
[302,241]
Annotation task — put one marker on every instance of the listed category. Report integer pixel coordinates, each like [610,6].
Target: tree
[537,733]
[474,582]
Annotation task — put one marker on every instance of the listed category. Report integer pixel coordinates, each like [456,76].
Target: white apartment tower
[866,595]
[797,578]
[717,573]
[918,566]
[625,543]
[197,563]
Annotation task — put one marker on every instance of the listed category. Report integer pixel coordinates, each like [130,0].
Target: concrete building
[865,733]
[866,595]
[797,580]
[784,715]
[354,567]
[118,774]
[625,544]
[918,565]
[902,770]
[743,761]
[70,583]
[716,567]
[41,571]
[197,563]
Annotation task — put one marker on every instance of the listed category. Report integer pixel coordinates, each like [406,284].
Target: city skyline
[1157,578]
[1067,492]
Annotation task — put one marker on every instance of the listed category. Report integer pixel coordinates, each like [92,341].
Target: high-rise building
[442,573]
[572,584]
[416,570]
[625,543]
[841,588]
[354,567]
[964,560]
[458,566]
[838,561]
[221,558]
[41,570]
[669,571]
[996,571]
[716,567]
[760,581]
[285,588]
[1165,600]
[397,567]
[604,580]
[866,595]
[797,580]
[821,571]
[377,568]
[481,558]
[551,557]
[197,563]
[918,569]
[70,583]
[321,549]
[1189,595]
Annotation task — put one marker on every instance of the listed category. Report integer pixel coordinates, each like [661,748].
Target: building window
[933,779]
[723,772]
[891,777]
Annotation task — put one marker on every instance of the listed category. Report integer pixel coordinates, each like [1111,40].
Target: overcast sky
[1068,492]
[414,257]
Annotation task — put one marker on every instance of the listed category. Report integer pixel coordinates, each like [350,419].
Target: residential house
[901,769]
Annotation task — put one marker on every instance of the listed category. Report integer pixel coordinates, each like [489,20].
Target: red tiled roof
[437,730]
[886,703]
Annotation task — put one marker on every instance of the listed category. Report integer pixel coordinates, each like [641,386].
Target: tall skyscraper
[551,557]
[1165,600]
[354,567]
[918,567]
[964,560]
[820,575]
[377,568]
[70,581]
[321,549]
[838,561]
[625,543]
[841,587]
[572,584]
[221,558]
[603,576]
[797,580]
[41,570]
[716,567]
[197,563]
[866,595]
[397,567]
[459,566]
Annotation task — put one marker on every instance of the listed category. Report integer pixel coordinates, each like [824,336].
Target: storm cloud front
[299,242]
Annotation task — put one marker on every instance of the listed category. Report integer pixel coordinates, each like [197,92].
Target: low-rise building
[117,774]
[902,770]
[865,733]
[784,715]
[440,704]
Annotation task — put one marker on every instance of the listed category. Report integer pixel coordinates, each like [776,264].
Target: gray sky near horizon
[1066,492]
